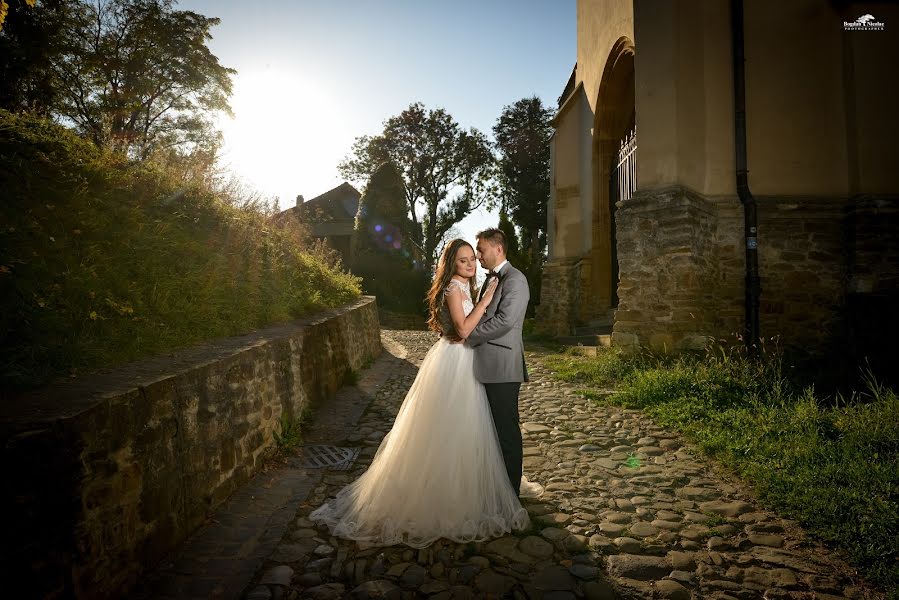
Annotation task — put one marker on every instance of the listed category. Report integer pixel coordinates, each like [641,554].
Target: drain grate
[328,457]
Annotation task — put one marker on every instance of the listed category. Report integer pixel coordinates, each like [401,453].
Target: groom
[499,352]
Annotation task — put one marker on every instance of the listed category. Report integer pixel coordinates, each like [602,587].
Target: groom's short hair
[494,236]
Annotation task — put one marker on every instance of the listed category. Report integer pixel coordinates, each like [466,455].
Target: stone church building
[645,225]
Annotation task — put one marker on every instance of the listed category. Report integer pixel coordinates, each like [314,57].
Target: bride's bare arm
[465,325]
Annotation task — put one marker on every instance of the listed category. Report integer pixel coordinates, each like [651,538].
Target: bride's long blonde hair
[446,268]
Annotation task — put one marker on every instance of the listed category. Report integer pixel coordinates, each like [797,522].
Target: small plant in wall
[289,436]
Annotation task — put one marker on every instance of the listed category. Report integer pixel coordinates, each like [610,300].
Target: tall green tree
[513,251]
[447,171]
[31,42]
[382,221]
[522,133]
[381,255]
[521,259]
[136,76]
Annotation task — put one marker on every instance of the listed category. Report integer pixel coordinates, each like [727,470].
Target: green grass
[830,463]
[103,261]
[290,434]
[715,519]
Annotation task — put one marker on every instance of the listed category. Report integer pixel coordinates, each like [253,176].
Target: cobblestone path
[629,512]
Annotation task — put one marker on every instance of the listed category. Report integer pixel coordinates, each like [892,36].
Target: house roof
[338,204]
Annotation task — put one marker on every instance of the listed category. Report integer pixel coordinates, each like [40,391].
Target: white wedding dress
[439,473]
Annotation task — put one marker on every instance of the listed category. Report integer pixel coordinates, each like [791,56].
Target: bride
[439,473]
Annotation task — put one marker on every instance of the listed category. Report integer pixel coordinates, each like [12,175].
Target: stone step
[604,339]
[599,326]
[604,329]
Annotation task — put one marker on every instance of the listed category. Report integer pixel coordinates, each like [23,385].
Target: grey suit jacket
[498,348]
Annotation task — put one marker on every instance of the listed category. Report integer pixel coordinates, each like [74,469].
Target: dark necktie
[490,275]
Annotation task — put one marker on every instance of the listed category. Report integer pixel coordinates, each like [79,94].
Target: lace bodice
[467,304]
[455,287]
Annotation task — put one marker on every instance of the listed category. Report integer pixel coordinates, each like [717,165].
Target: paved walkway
[629,512]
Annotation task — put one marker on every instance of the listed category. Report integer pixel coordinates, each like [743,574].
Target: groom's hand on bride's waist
[454,339]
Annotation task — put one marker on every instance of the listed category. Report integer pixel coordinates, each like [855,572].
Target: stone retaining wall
[667,271]
[559,294]
[681,258]
[107,475]
[802,265]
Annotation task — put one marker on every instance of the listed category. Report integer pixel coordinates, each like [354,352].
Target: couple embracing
[451,466]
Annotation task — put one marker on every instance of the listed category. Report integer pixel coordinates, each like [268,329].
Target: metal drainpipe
[750,222]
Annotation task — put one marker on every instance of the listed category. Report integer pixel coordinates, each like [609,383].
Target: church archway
[614,173]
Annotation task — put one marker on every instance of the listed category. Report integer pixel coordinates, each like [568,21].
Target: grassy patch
[715,519]
[290,434]
[103,261]
[350,378]
[830,463]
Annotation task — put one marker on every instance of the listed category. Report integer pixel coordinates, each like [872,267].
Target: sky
[313,75]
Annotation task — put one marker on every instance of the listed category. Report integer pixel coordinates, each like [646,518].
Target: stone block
[694,342]
[625,340]
[661,341]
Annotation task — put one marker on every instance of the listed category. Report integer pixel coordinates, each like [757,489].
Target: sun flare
[286,137]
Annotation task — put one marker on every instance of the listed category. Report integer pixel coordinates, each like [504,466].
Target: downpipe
[750,219]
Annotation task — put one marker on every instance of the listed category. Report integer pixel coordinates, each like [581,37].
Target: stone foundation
[872,296]
[560,292]
[108,474]
[667,275]
[681,259]
[802,265]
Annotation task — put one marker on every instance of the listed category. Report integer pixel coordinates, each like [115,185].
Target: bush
[398,286]
[103,261]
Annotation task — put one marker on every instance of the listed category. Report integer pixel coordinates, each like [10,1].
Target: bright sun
[286,137]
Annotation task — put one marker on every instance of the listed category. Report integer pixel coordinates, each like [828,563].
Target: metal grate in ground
[327,457]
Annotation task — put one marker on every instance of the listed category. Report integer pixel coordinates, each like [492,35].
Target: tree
[30,44]
[4,9]
[382,221]
[446,171]
[513,252]
[380,255]
[137,76]
[522,132]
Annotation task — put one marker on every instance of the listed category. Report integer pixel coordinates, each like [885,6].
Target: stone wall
[872,228]
[802,266]
[667,286]
[872,231]
[559,292]
[829,270]
[106,475]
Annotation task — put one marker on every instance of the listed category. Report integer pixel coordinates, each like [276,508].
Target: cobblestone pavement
[629,512]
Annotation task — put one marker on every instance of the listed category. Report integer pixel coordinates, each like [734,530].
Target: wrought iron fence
[626,170]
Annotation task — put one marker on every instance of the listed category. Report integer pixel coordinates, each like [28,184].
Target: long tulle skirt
[439,473]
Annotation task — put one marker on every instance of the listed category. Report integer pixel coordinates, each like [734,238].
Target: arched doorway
[614,172]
